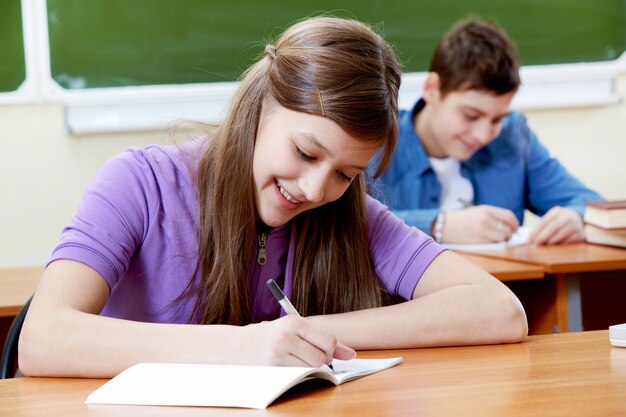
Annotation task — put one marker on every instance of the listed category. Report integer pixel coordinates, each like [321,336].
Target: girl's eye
[306,157]
[302,155]
[344,176]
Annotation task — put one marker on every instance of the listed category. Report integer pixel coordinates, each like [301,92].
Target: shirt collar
[410,143]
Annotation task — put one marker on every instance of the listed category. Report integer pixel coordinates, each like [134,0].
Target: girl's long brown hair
[358,77]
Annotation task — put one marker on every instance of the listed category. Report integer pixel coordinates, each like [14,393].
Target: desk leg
[574,304]
[561,303]
[552,304]
[569,316]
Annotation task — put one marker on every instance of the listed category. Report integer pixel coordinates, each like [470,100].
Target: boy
[466,167]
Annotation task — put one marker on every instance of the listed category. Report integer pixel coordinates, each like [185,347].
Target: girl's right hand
[292,341]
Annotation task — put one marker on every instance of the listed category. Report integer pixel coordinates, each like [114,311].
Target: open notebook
[520,237]
[221,385]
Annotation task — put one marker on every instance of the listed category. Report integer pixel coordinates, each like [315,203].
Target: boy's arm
[549,182]
[555,194]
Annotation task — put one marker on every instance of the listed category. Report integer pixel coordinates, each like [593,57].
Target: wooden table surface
[570,374]
[16,287]
[577,257]
[506,270]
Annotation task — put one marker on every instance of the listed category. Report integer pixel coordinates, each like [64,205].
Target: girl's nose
[313,186]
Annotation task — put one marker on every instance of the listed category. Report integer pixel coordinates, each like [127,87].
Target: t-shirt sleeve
[112,217]
[401,253]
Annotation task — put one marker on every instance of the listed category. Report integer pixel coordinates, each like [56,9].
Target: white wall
[43,170]
[589,141]
[43,173]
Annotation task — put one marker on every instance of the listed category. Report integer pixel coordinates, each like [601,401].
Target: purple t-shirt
[136,225]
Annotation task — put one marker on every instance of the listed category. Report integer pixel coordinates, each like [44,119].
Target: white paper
[520,237]
[346,371]
[201,385]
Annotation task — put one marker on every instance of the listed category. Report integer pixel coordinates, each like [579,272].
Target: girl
[167,256]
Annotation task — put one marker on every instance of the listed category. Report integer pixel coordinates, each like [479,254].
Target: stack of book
[605,223]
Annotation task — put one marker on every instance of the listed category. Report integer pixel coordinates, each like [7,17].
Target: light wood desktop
[569,374]
[16,287]
[506,270]
[556,259]
[563,264]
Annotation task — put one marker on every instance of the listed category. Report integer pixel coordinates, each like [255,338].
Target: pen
[281,298]
[284,302]
[465,203]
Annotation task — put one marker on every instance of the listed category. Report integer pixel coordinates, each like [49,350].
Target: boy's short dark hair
[476,55]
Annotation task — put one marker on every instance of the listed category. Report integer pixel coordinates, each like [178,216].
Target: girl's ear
[432,86]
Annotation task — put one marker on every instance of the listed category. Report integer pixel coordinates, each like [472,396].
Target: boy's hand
[558,225]
[479,224]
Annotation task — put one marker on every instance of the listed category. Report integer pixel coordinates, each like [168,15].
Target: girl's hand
[292,341]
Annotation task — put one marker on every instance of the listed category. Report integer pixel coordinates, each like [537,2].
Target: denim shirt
[514,171]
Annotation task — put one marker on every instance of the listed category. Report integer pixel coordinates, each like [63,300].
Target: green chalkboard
[104,43]
[12,65]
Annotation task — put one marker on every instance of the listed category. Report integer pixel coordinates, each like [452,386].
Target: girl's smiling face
[302,161]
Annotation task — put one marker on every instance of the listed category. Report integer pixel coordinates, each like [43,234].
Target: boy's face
[462,122]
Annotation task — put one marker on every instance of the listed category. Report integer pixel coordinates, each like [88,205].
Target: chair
[8,361]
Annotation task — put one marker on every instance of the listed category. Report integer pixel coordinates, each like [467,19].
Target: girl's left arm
[454,303]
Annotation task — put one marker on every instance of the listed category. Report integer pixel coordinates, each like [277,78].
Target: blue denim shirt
[514,171]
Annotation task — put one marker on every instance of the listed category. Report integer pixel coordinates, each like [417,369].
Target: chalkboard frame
[153,107]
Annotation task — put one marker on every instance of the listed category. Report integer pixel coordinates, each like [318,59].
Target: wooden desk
[569,374]
[562,264]
[506,270]
[577,257]
[16,287]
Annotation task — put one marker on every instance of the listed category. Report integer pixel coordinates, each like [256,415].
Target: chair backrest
[8,361]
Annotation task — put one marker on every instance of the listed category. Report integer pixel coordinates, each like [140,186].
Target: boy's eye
[302,155]
[471,117]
